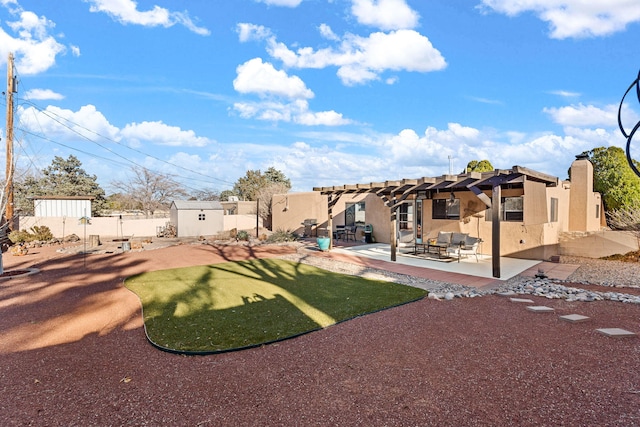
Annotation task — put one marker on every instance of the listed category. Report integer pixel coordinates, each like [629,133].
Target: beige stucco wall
[239,208]
[586,206]
[102,226]
[290,210]
[127,227]
[241,222]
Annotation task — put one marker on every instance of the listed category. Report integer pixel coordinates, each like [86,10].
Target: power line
[60,122]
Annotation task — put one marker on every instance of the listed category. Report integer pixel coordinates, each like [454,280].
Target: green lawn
[233,305]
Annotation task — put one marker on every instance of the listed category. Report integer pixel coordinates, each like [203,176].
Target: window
[554,210]
[354,214]
[201,217]
[512,209]
[598,211]
[445,209]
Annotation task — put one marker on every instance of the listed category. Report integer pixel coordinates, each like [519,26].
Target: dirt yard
[73,352]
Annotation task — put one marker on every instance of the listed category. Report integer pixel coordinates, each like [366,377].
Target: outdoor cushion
[444,238]
[470,242]
[405,236]
[458,239]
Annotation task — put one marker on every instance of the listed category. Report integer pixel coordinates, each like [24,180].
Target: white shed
[194,218]
[62,206]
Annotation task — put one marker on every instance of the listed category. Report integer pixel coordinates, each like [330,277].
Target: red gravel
[72,352]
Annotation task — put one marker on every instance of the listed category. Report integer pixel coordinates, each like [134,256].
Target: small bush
[280,236]
[20,236]
[242,235]
[41,233]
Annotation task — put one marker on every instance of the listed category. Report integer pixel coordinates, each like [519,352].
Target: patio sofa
[457,244]
[463,245]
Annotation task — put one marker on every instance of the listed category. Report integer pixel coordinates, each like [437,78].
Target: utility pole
[11,89]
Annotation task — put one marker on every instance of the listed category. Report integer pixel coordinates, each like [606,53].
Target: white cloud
[362,59]
[327,32]
[385,14]
[35,50]
[584,115]
[255,76]
[485,100]
[247,32]
[326,118]
[574,18]
[42,94]
[55,122]
[66,125]
[162,134]
[285,3]
[292,112]
[565,93]
[126,12]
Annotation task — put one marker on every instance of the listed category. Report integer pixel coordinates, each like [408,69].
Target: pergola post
[392,232]
[496,195]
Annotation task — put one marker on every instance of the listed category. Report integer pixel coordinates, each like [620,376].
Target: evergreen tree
[614,179]
[64,177]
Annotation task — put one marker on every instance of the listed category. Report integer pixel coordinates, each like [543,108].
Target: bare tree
[150,189]
[265,197]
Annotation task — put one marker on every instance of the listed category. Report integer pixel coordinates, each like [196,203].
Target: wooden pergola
[395,193]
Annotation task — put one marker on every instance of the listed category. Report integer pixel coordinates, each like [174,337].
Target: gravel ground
[615,274]
[73,352]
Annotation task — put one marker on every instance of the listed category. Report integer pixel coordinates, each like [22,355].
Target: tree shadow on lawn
[235,305]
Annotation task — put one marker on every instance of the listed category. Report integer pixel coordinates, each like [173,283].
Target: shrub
[280,236]
[20,236]
[42,233]
[242,235]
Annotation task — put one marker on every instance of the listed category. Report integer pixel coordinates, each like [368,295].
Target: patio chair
[405,239]
[350,232]
[467,247]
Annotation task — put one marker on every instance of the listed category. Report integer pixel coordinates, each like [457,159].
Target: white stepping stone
[528,301]
[540,309]
[574,318]
[507,294]
[616,332]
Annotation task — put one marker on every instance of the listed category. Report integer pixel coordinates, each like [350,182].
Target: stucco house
[516,212]
[196,218]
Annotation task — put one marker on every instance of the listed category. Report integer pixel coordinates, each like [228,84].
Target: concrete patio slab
[574,318]
[616,332]
[540,309]
[506,294]
[522,300]
[509,267]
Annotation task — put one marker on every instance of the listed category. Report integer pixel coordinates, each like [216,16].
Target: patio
[510,267]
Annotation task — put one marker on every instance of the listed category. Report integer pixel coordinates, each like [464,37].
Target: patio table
[437,249]
[431,248]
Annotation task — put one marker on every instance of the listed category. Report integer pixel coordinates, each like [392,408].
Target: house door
[405,231]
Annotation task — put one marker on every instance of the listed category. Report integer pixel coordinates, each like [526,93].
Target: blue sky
[330,92]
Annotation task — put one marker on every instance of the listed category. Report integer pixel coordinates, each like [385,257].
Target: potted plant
[323,242]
